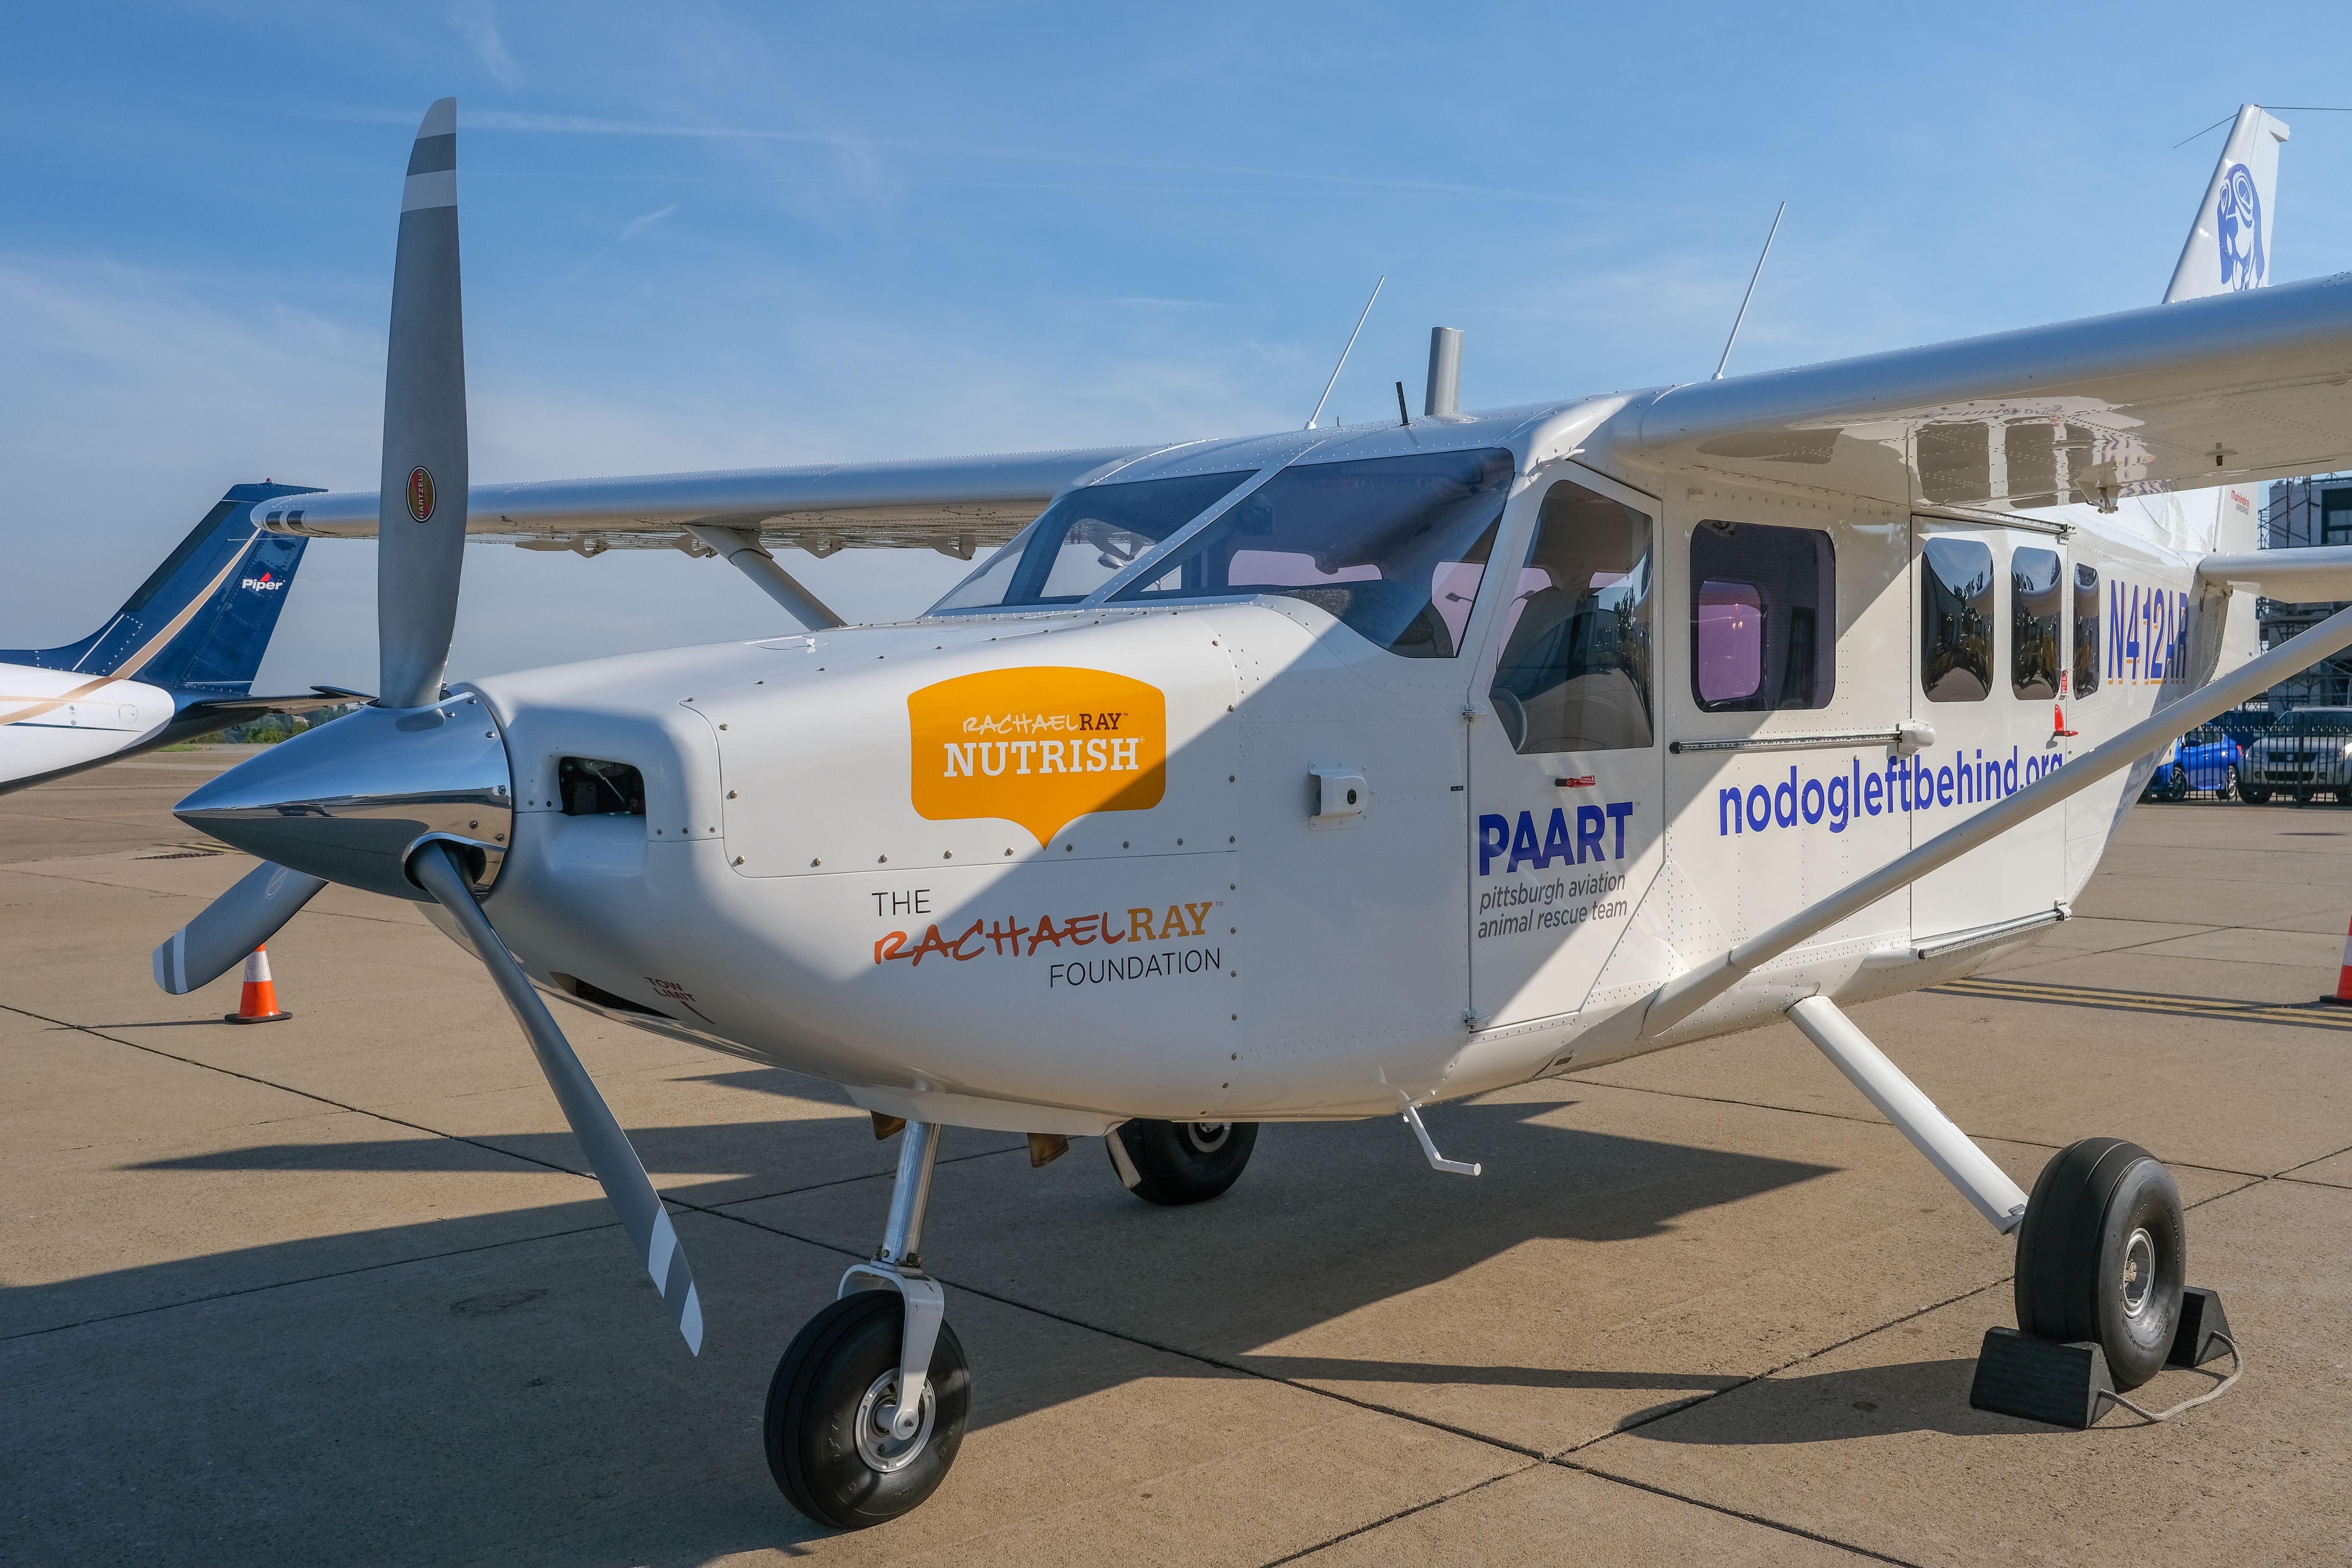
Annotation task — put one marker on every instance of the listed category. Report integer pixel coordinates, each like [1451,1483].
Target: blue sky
[711,235]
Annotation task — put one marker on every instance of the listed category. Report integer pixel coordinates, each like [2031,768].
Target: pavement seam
[2289,1173]
[1366,1529]
[1862,1120]
[1563,1460]
[1483,1439]
[413,1127]
[305,1279]
[22,868]
[1738,1513]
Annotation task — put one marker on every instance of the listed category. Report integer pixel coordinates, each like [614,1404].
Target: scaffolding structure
[2298,514]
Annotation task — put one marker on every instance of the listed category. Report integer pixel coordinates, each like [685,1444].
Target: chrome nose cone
[352,800]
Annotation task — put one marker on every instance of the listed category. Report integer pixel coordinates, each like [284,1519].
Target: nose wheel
[867,1408]
[832,1419]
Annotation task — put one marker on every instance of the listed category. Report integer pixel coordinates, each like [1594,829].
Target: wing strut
[742,550]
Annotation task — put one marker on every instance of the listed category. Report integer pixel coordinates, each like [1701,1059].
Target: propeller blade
[232,926]
[421,511]
[616,1163]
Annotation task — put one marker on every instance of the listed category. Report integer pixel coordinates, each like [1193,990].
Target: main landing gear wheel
[2103,1254]
[1185,1161]
[828,1423]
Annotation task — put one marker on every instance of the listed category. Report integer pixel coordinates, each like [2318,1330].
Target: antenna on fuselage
[1343,356]
[1736,320]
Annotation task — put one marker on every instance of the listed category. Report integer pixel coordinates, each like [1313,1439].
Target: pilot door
[1989,657]
[1564,777]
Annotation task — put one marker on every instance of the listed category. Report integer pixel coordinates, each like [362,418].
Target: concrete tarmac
[335,1290]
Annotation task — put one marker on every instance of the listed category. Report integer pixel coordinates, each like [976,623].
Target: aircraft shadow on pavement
[1831,1406]
[1331,1218]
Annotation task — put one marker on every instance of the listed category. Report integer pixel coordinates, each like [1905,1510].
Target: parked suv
[2308,752]
[2207,759]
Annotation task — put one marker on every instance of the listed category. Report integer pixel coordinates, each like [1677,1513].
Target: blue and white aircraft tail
[176,660]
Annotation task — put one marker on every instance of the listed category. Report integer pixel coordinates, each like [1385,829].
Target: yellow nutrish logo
[1041,746]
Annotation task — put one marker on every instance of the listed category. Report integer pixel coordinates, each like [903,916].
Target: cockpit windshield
[1086,538]
[1393,547]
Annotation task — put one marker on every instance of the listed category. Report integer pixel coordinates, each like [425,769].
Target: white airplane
[176,660]
[1336,773]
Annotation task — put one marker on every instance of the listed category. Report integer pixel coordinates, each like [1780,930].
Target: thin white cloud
[480,28]
[857,153]
[637,226]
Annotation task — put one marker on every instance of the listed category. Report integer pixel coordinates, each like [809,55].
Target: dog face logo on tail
[2239,220]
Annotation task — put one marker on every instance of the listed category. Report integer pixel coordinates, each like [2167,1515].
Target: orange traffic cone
[258,1004]
[2344,978]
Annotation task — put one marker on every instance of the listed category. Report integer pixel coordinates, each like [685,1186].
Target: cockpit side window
[1395,548]
[1575,671]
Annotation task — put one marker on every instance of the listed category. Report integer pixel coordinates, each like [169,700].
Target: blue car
[2206,759]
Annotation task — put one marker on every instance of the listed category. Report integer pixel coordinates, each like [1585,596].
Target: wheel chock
[2034,1379]
[2203,1330]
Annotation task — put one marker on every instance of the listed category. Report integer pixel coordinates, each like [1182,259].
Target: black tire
[2177,783]
[2229,790]
[834,1372]
[1186,1162]
[2103,1254]
[2253,794]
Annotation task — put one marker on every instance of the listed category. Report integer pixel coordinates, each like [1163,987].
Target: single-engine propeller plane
[1334,773]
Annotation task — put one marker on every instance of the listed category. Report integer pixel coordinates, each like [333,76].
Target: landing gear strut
[2101,1254]
[868,1406]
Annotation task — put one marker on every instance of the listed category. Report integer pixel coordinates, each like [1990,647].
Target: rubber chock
[2202,1329]
[2042,1380]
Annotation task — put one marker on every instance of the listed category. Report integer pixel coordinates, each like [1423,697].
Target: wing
[953,505]
[2234,388]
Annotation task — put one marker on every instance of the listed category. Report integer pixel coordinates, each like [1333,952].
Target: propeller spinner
[413,796]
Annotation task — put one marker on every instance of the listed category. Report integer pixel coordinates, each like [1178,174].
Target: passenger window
[1956,618]
[1763,617]
[2086,630]
[2037,611]
[1575,670]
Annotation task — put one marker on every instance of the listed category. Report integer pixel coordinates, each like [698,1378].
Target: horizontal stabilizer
[2320,575]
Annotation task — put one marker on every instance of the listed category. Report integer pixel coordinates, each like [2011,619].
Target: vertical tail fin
[2229,246]
[203,618]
